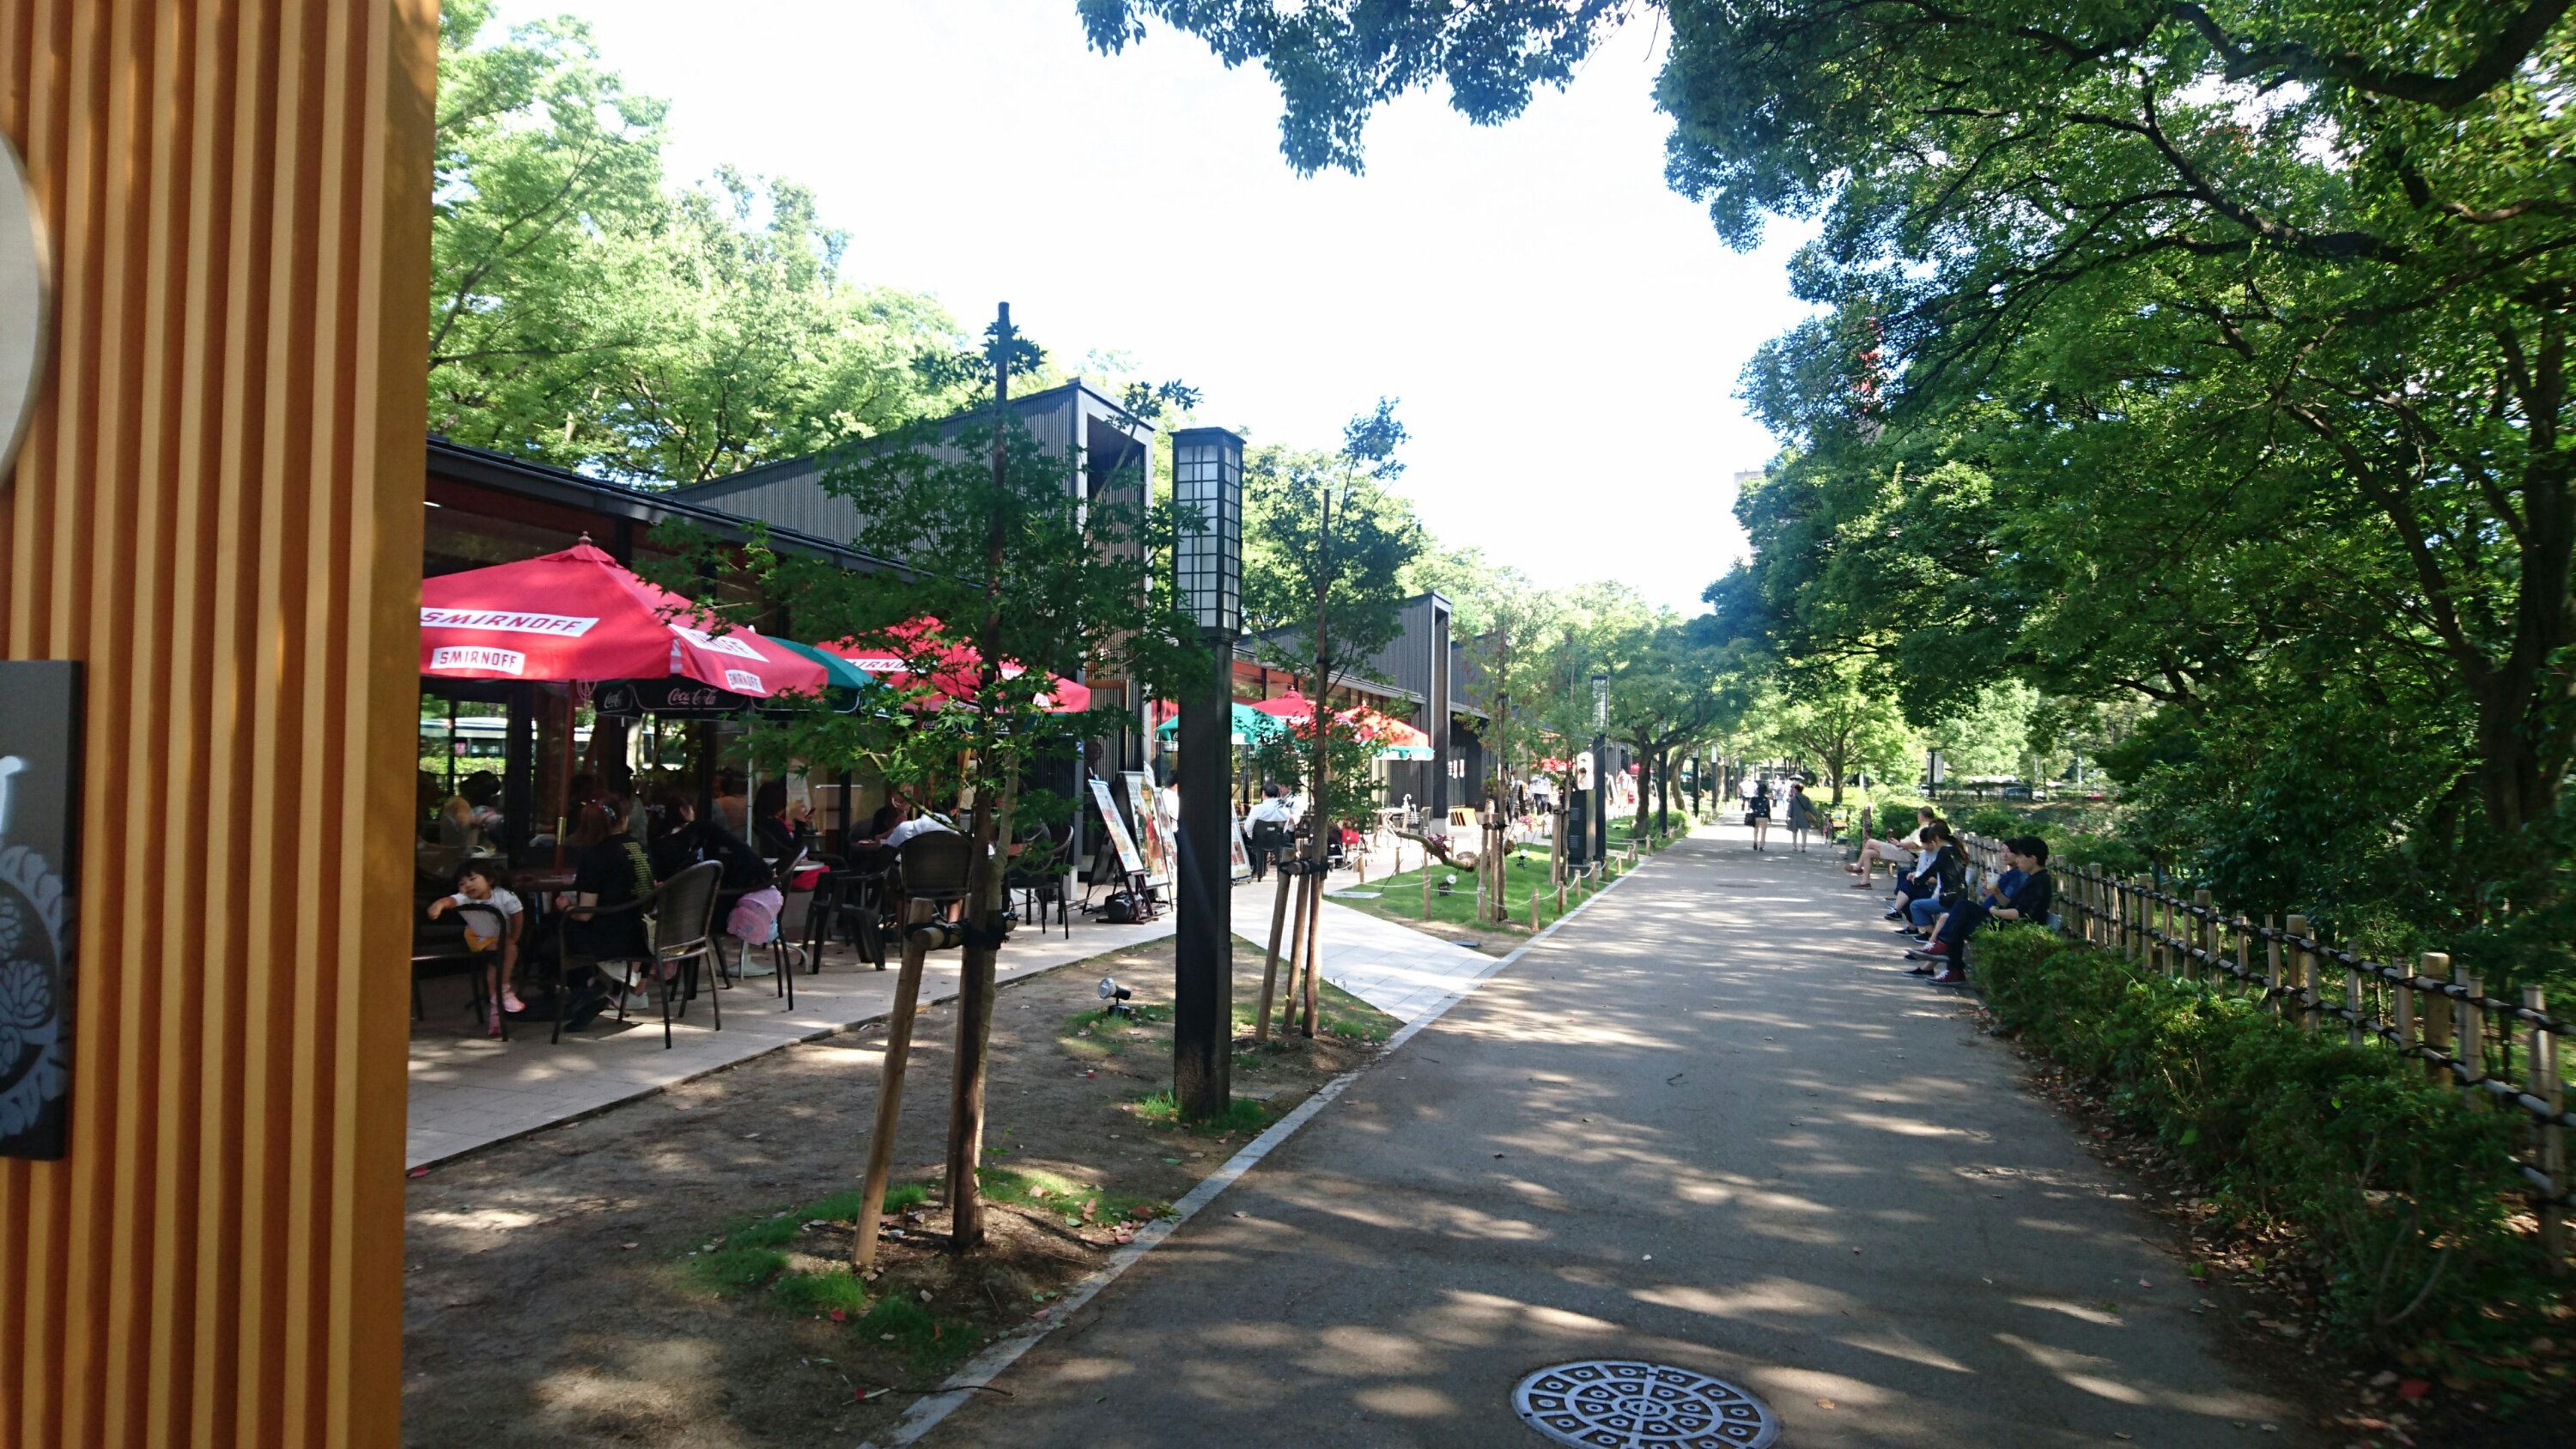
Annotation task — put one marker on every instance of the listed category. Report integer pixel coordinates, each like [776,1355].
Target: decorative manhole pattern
[1623,1404]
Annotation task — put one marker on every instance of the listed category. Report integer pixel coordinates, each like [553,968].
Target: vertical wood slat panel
[218,508]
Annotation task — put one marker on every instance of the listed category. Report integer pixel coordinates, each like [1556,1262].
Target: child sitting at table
[478,883]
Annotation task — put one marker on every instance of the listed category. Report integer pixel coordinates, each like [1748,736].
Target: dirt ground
[617,1280]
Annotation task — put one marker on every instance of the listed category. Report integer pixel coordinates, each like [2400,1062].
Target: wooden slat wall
[218,507]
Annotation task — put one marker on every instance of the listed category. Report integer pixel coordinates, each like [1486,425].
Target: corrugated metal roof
[790,494]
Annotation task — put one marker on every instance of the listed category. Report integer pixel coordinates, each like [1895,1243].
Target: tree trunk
[984,892]
[1637,835]
[1663,790]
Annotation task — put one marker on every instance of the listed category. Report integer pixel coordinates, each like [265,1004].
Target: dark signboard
[669,698]
[40,773]
[682,698]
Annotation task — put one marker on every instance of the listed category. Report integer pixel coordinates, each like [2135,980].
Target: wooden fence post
[2549,1142]
[2437,1019]
[2272,967]
[2471,1035]
[2204,931]
[2302,973]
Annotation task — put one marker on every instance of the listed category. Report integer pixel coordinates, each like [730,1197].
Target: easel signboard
[1129,862]
[1153,825]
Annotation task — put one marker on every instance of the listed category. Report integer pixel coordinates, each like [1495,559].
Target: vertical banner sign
[40,774]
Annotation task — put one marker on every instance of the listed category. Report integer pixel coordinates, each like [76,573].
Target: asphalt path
[1707,1123]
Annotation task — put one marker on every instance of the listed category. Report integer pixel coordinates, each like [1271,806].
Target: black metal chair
[439,949]
[1036,879]
[857,907]
[684,939]
[935,865]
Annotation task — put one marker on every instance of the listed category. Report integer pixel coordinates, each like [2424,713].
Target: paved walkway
[468,1091]
[1707,1123]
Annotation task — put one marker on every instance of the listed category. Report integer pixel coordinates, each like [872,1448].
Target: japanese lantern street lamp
[1207,567]
[1600,767]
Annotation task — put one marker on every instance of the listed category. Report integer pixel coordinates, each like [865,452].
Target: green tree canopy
[586,314]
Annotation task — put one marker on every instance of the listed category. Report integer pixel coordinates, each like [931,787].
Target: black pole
[1203,933]
[1600,798]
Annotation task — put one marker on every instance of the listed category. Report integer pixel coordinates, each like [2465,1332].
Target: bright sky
[1563,333]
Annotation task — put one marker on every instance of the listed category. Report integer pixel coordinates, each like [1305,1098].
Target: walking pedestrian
[1802,816]
[1757,813]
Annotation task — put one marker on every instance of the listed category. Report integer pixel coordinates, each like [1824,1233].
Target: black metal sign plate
[40,778]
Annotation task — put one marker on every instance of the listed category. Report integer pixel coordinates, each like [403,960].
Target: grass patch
[1242,1114]
[750,1255]
[1347,1016]
[1400,897]
[903,1326]
[1344,1015]
[1093,1035]
[1074,1201]
[819,1294]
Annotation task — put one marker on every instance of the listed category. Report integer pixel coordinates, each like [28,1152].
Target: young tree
[1507,665]
[1326,543]
[1008,579]
[1325,546]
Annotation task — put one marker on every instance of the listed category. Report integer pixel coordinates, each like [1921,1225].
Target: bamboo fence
[2503,1052]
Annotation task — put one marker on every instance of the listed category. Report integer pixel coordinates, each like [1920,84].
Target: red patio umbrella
[1385,731]
[954,665]
[1291,706]
[579,615]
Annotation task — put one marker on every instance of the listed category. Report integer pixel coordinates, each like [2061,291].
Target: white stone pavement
[468,1091]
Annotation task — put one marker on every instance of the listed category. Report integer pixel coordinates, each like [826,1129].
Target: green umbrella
[1249,725]
[838,672]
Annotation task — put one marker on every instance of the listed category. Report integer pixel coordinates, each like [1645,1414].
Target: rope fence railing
[2505,1052]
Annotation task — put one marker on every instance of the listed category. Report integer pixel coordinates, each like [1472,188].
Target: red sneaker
[1952,977]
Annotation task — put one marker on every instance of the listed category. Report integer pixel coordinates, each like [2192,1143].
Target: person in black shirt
[2031,899]
[612,870]
[781,830]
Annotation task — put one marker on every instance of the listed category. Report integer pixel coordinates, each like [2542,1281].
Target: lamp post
[1600,767]
[1207,566]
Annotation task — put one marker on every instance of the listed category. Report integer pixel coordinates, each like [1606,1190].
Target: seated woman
[784,831]
[1897,853]
[610,869]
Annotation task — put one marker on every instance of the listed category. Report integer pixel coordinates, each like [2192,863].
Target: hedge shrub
[1992,820]
[2403,1191]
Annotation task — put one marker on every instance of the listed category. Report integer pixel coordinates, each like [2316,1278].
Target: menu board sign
[1116,824]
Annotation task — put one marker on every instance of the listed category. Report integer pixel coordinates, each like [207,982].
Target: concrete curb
[980,1371]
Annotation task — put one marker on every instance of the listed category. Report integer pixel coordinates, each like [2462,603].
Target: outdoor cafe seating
[683,909]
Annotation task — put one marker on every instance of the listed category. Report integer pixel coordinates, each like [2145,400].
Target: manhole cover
[1621,1404]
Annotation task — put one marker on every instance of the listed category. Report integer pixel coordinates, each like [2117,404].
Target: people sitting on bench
[1993,893]
[1895,852]
[1940,873]
[2028,899]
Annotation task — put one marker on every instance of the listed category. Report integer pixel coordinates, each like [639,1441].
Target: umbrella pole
[570,714]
